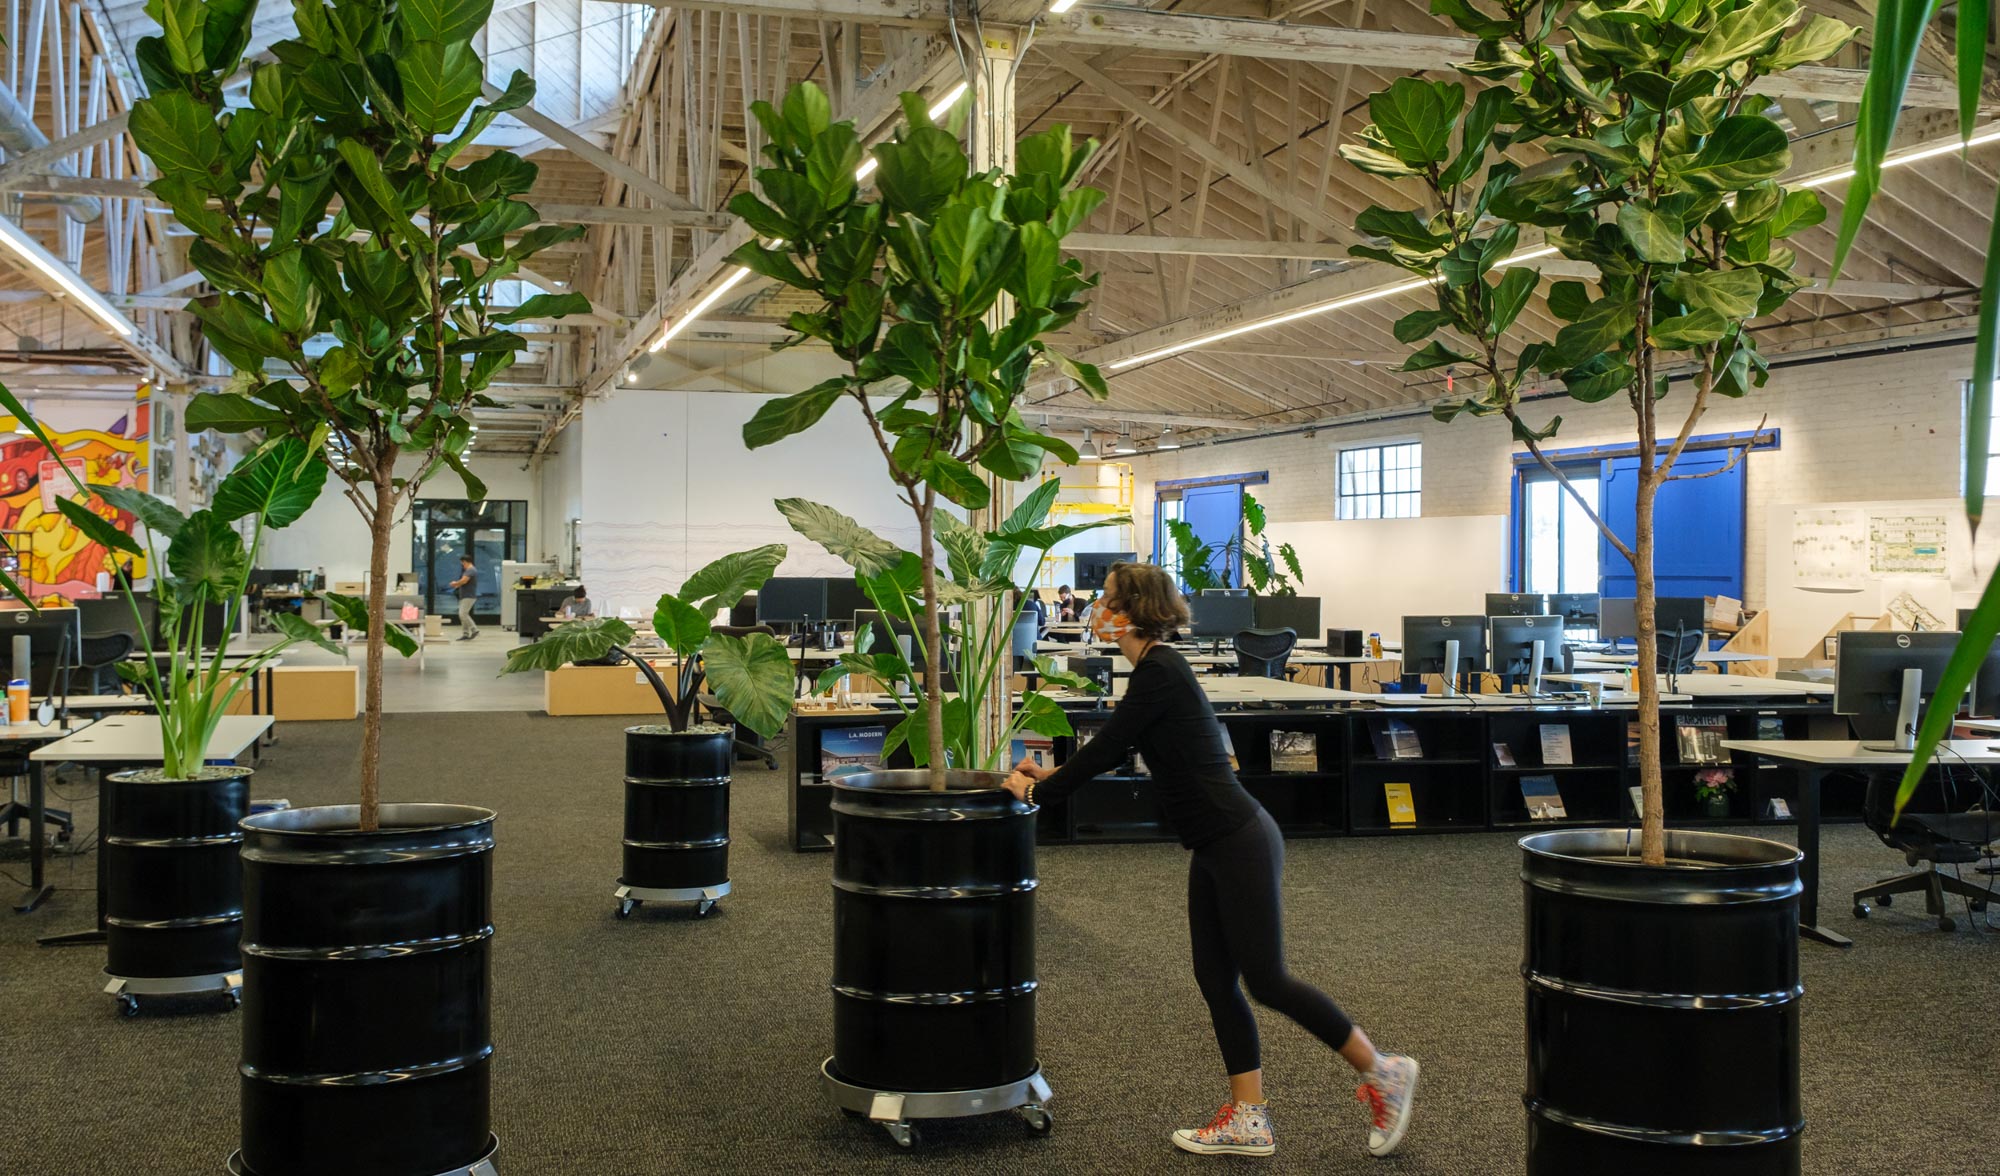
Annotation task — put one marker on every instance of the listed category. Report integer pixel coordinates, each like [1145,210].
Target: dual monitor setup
[1882,681]
[1524,635]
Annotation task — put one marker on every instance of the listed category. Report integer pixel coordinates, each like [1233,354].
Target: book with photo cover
[1229,746]
[847,751]
[1294,751]
[1543,798]
[1699,738]
[1038,749]
[1631,745]
[1556,749]
[1770,727]
[1638,795]
[1503,755]
[1394,739]
[1402,805]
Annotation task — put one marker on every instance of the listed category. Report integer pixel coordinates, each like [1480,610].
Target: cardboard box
[601,690]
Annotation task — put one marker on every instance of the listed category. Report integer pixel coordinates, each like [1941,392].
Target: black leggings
[1236,925]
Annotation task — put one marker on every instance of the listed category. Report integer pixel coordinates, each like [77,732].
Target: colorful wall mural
[106,444]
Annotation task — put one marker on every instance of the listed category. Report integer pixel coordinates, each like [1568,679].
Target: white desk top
[1714,657]
[136,739]
[30,731]
[1983,726]
[101,702]
[1714,685]
[1850,752]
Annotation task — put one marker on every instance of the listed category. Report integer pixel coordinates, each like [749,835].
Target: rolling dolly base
[704,897]
[894,1109]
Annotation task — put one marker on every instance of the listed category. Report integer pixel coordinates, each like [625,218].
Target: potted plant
[677,776]
[173,885]
[394,291]
[1664,180]
[1712,787]
[936,295]
[1266,570]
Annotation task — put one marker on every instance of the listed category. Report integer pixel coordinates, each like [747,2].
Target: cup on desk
[17,701]
[1595,691]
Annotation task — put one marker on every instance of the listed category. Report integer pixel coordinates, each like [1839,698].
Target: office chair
[97,663]
[1675,649]
[1932,838]
[1261,653]
[14,767]
[748,744]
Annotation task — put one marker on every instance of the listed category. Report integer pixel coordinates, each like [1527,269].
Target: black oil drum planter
[934,951]
[1662,1005]
[173,901]
[676,816]
[367,1038]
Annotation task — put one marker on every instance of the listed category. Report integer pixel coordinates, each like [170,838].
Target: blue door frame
[1213,506]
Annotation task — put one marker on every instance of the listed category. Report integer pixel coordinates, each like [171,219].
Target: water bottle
[1374,645]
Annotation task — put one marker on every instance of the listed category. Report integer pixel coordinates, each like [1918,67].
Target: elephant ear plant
[368,330]
[205,561]
[1661,194]
[937,294]
[1267,570]
[751,675]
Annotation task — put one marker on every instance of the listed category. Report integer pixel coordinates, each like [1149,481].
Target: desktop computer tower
[1346,642]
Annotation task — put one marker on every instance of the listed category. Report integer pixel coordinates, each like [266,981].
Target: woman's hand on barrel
[1017,783]
[1032,770]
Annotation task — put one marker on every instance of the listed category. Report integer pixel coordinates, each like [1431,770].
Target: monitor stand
[1906,714]
[1535,671]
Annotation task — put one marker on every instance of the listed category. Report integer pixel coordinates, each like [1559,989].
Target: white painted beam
[1203,246]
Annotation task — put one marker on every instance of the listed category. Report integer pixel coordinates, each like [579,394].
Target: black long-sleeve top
[1165,713]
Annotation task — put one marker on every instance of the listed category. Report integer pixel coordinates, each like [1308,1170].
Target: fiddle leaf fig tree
[752,674]
[1661,192]
[936,292]
[352,249]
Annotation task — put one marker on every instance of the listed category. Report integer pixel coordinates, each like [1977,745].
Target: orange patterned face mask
[1106,625]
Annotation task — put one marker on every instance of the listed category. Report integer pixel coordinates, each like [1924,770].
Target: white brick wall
[1863,429]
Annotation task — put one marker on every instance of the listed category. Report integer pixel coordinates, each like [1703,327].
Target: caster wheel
[1860,910]
[904,1134]
[1978,907]
[62,837]
[625,906]
[1946,923]
[1038,1119]
[128,1005]
[702,908]
[235,998]
[1886,900]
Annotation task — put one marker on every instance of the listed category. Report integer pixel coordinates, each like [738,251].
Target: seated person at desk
[578,605]
[1066,604]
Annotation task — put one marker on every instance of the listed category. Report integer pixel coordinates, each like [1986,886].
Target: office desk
[123,741]
[1721,658]
[1810,760]
[1715,686]
[33,735]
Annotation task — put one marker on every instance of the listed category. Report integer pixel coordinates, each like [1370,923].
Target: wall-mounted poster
[1908,545]
[1829,548]
[102,444]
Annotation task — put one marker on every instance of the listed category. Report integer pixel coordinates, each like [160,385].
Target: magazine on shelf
[1699,738]
[1779,808]
[1294,751]
[1402,805]
[1503,755]
[1037,749]
[847,751]
[1228,746]
[1544,800]
[1556,750]
[1770,727]
[1631,745]
[1638,795]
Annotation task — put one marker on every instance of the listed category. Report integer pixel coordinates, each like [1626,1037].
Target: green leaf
[958,482]
[1654,236]
[276,485]
[179,135]
[1733,293]
[1569,301]
[291,292]
[1433,355]
[1892,59]
[208,556]
[1033,509]
[752,676]
[96,527]
[238,330]
[778,419]
[1745,149]
[182,32]
[1419,324]
[298,630]
[1799,210]
[367,169]
[1605,325]
[444,20]
[842,537]
[157,516]
[1745,32]
[353,612]
[546,306]
[1041,714]
[679,624]
[587,639]
[1985,370]
[440,82]
[1968,657]
[729,579]
[1696,328]
[1516,285]
[1824,36]
[1416,117]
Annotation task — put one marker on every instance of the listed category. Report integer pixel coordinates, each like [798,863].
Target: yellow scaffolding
[1079,502]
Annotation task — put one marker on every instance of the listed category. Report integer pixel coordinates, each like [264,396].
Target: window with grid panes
[1381,482]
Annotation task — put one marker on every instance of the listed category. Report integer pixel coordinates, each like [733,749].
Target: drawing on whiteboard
[1907,545]
[1829,548]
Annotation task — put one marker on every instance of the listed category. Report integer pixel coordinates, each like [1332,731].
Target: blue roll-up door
[1216,515]
[1697,527]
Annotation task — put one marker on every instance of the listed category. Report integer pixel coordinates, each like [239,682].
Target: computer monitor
[743,614]
[887,633]
[1091,567]
[217,617]
[1515,604]
[1225,592]
[1964,618]
[1881,681]
[114,614]
[1212,615]
[1579,610]
[1617,616]
[844,598]
[1429,644]
[1300,614]
[792,600]
[1687,614]
[274,577]
[55,635]
[1526,647]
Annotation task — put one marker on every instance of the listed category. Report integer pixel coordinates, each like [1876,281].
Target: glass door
[490,532]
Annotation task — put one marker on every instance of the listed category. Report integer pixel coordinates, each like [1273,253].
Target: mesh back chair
[14,769]
[1677,649]
[1931,837]
[1261,653]
[749,744]
[97,663]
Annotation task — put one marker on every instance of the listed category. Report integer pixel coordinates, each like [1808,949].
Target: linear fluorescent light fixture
[1062,6]
[31,251]
[738,273]
[1916,155]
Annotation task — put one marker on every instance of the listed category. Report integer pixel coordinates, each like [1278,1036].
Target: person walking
[467,587]
[1236,865]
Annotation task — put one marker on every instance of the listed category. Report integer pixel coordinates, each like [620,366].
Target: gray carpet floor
[667,1044]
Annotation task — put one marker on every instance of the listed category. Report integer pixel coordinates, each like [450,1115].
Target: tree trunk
[380,529]
[933,644]
[1653,822]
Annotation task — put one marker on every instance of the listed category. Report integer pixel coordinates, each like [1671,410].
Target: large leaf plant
[1900,26]
[1661,189]
[937,293]
[204,561]
[751,674]
[1268,570]
[352,247]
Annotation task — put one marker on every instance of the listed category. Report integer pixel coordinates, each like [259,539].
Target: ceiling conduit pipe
[19,135]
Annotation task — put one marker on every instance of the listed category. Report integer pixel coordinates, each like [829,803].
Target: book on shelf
[1228,746]
[1395,739]
[1039,750]
[1294,751]
[1556,749]
[1638,795]
[1543,798]
[1137,765]
[1503,755]
[1699,738]
[848,751]
[1631,745]
[1402,804]
[1779,808]
[1770,727]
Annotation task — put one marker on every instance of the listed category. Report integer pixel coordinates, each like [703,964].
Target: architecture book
[1544,800]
